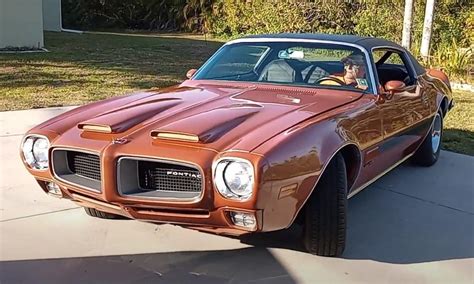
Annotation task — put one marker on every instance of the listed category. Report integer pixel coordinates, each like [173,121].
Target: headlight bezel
[218,174]
[35,164]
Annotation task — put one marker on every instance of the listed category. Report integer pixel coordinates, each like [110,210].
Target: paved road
[413,225]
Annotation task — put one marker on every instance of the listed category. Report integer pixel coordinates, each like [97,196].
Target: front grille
[77,168]
[84,164]
[141,177]
[168,177]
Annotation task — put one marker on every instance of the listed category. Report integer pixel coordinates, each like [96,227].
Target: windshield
[291,63]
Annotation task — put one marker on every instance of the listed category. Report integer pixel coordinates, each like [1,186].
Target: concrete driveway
[413,225]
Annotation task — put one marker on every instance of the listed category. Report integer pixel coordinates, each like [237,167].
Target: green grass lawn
[458,133]
[87,67]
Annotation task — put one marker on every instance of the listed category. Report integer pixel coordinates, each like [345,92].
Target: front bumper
[216,220]
[209,211]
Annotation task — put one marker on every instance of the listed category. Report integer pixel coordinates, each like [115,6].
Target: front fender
[296,159]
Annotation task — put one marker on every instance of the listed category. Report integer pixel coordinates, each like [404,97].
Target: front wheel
[429,150]
[326,209]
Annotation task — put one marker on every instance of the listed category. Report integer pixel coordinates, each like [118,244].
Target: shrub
[231,18]
[453,22]
[135,14]
[454,60]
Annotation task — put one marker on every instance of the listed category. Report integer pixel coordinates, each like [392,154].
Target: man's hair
[353,59]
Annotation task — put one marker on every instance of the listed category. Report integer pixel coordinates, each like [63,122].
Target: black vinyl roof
[366,42]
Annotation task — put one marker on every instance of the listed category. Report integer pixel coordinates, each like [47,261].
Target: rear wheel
[325,224]
[101,214]
[428,153]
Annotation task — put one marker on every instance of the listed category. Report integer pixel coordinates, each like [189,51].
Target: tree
[427,28]
[407,20]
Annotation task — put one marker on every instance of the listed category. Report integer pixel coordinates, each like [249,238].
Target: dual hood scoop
[205,127]
[95,128]
[156,134]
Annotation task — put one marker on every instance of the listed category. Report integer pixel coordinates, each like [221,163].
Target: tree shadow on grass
[458,140]
[137,62]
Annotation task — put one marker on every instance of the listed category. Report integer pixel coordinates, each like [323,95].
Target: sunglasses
[355,67]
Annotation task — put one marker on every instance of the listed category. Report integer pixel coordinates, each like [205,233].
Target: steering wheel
[336,80]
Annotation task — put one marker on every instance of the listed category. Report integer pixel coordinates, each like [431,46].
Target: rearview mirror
[394,86]
[190,73]
[290,54]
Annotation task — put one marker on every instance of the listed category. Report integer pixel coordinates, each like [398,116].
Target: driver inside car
[354,73]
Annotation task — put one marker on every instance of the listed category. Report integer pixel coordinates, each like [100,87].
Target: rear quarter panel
[438,81]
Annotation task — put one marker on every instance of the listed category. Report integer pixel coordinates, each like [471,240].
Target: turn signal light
[245,220]
[54,189]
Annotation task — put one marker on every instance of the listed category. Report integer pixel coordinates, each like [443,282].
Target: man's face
[355,71]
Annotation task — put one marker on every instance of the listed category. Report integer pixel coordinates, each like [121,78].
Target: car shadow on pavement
[226,266]
[387,226]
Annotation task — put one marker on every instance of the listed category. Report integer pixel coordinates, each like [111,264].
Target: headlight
[35,151]
[234,178]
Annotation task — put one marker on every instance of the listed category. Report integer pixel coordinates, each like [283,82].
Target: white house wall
[52,15]
[21,23]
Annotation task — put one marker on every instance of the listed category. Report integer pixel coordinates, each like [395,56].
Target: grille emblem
[120,141]
[184,174]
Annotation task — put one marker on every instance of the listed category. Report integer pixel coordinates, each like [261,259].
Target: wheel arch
[296,160]
[353,160]
[444,105]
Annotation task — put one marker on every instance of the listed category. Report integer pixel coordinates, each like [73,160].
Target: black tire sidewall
[326,212]
[101,214]
[436,154]
[425,156]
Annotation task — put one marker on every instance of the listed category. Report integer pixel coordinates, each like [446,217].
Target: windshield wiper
[233,75]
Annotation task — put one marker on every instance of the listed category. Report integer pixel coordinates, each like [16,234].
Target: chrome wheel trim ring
[436,133]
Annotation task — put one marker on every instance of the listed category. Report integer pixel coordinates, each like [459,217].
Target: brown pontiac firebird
[271,130]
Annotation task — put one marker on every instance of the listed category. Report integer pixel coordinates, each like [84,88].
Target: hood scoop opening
[174,136]
[95,128]
[205,127]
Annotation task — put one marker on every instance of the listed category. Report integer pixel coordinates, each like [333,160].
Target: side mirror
[190,73]
[394,86]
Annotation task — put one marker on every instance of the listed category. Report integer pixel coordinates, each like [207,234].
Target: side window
[392,65]
[388,57]
[395,59]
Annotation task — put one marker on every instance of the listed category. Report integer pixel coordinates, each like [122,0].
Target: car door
[405,111]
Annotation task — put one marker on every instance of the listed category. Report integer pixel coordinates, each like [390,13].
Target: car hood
[212,114]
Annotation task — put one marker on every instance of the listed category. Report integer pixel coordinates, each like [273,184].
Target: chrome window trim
[374,89]
[262,57]
[402,51]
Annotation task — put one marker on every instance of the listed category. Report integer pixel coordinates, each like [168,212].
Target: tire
[100,214]
[429,150]
[325,217]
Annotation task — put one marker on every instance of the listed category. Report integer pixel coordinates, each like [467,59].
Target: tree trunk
[407,20]
[427,27]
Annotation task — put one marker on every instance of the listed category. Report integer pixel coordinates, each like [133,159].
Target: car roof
[366,42]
